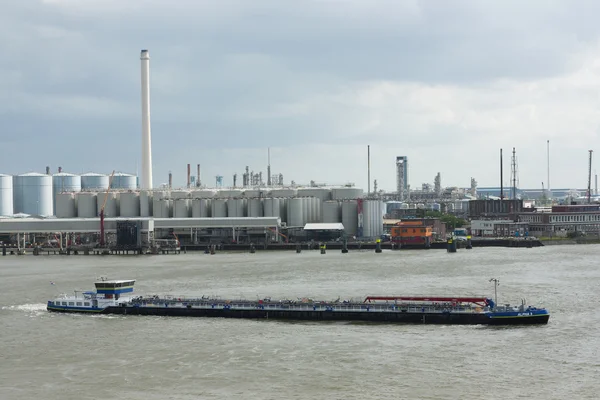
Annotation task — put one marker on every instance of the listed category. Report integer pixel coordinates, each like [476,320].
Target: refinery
[91,209]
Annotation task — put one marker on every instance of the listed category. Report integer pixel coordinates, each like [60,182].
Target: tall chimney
[47,170]
[170,180]
[501,183]
[189,174]
[146,138]
[198,177]
[59,170]
[368,170]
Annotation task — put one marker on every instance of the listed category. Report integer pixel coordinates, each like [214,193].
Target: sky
[445,83]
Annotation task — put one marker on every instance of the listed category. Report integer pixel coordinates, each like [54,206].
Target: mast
[496,283]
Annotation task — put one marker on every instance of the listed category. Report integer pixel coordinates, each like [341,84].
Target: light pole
[496,283]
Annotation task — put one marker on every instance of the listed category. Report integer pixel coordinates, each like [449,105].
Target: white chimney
[146,181]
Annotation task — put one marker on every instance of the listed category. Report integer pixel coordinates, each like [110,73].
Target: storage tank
[229,193]
[182,208]
[201,208]
[6,195]
[63,182]
[124,181]
[346,193]
[111,209]
[372,219]
[252,193]
[129,204]
[283,208]
[203,194]
[87,204]
[145,203]
[93,181]
[305,210]
[350,216]
[393,205]
[255,207]
[32,194]
[65,205]
[236,208]
[320,193]
[162,208]
[219,208]
[271,207]
[332,212]
[317,206]
[296,207]
[284,192]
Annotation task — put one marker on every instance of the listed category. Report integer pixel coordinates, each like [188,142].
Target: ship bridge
[114,288]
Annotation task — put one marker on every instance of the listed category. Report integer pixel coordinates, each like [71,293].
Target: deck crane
[102,209]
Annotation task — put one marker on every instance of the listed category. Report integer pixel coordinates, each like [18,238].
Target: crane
[102,209]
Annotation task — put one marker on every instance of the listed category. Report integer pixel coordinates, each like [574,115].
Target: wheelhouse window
[71,303]
[87,303]
[64,303]
[79,303]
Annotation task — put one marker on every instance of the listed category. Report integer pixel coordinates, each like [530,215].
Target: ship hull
[309,315]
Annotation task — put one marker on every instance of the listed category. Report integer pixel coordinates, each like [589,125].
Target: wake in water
[32,309]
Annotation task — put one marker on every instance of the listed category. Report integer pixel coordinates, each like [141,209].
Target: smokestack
[501,184]
[269,167]
[47,170]
[170,180]
[548,160]
[59,170]
[146,138]
[198,176]
[368,170]
[189,174]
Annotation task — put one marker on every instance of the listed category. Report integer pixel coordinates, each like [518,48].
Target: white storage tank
[255,207]
[182,208]
[124,181]
[323,194]
[253,193]
[305,210]
[229,193]
[93,181]
[295,215]
[181,194]
[283,208]
[201,208]
[87,204]
[65,205]
[236,208]
[6,195]
[32,194]
[271,207]
[219,208]
[63,182]
[350,216]
[145,204]
[346,193]
[203,194]
[372,219]
[284,192]
[129,204]
[111,208]
[162,208]
[332,212]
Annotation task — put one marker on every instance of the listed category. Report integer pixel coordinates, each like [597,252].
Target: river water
[56,356]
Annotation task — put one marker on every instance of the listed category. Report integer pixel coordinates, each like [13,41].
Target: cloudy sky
[446,83]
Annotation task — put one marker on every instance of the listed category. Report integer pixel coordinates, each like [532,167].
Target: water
[56,356]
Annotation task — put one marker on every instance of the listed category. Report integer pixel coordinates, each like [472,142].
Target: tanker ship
[116,297]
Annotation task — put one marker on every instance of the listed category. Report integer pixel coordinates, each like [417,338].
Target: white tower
[146,181]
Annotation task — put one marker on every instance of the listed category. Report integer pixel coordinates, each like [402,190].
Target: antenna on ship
[496,283]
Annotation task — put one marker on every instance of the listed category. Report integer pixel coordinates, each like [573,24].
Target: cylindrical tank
[372,218]
[124,181]
[111,209]
[332,212]
[201,208]
[320,193]
[350,216]
[255,207]
[284,193]
[162,208]
[393,205]
[305,209]
[32,194]
[318,205]
[65,183]
[346,193]
[65,205]
[253,193]
[219,208]
[181,208]
[145,204]
[296,208]
[87,204]
[236,208]
[203,194]
[229,193]
[271,207]
[6,195]
[93,181]
[283,208]
[129,204]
